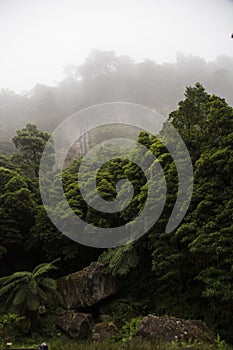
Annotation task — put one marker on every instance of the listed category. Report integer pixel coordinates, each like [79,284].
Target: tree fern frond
[43,268]
[26,290]
[42,295]
[120,260]
[17,275]
[133,259]
[33,302]
[8,303]
[33,286]
[106,256]
[115,261]
[58,297]
[6,288]
[20,296]
[48,283]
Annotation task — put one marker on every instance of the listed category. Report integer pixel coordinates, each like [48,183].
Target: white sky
[39,37]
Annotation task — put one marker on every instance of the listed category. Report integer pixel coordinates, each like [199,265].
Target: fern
[120,260]
[33,302]
[44,268]
[6,288]
[17,275]
[26,291]
[20,296]
[33,286]
[42,295]
[49,283]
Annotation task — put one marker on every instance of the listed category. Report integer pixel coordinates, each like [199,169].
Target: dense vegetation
[186,273]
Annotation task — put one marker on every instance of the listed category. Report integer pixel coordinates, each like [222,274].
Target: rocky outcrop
[102,331]
[86,287]
[83,290]
[76,324]
[169,329]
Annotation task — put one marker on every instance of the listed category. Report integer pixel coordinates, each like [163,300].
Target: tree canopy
[189,272]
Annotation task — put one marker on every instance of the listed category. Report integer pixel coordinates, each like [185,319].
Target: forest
[187,273]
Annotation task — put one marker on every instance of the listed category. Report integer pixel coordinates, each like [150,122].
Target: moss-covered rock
[87,287]
[103,331]
[170,329]
[76,324]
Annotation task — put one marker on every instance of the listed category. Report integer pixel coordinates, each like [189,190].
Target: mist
[39,38]
[106,77]
[58,57]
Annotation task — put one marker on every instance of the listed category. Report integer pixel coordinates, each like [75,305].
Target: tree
[27,291]
[194,263]
[16,212]
[191,117]
[30,142]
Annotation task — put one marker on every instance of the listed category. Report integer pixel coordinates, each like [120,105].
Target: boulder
[103,331]
[103,318]
[76,324]
[87,287]
[169,329]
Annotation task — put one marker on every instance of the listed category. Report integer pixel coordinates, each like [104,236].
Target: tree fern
[33,286]
[6,288]
[20,296]
[14,276]
[42,295]
[26,291]
[48,283]
[120,260]
[44,268]
[33,302]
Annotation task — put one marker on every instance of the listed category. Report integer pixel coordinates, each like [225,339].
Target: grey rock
[87,287]
[171,329]
[76,324]
[103,318]
[103,331]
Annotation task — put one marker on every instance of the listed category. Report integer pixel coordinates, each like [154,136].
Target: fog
[148,52]
[39,38]
[105,77]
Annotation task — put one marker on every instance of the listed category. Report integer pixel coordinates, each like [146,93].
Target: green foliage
[30,142]
[9,326]
[194,263]
[16,210]
[26,291]
[120,260]
[221,344]
[130,329]
[126,308]
[188,272]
